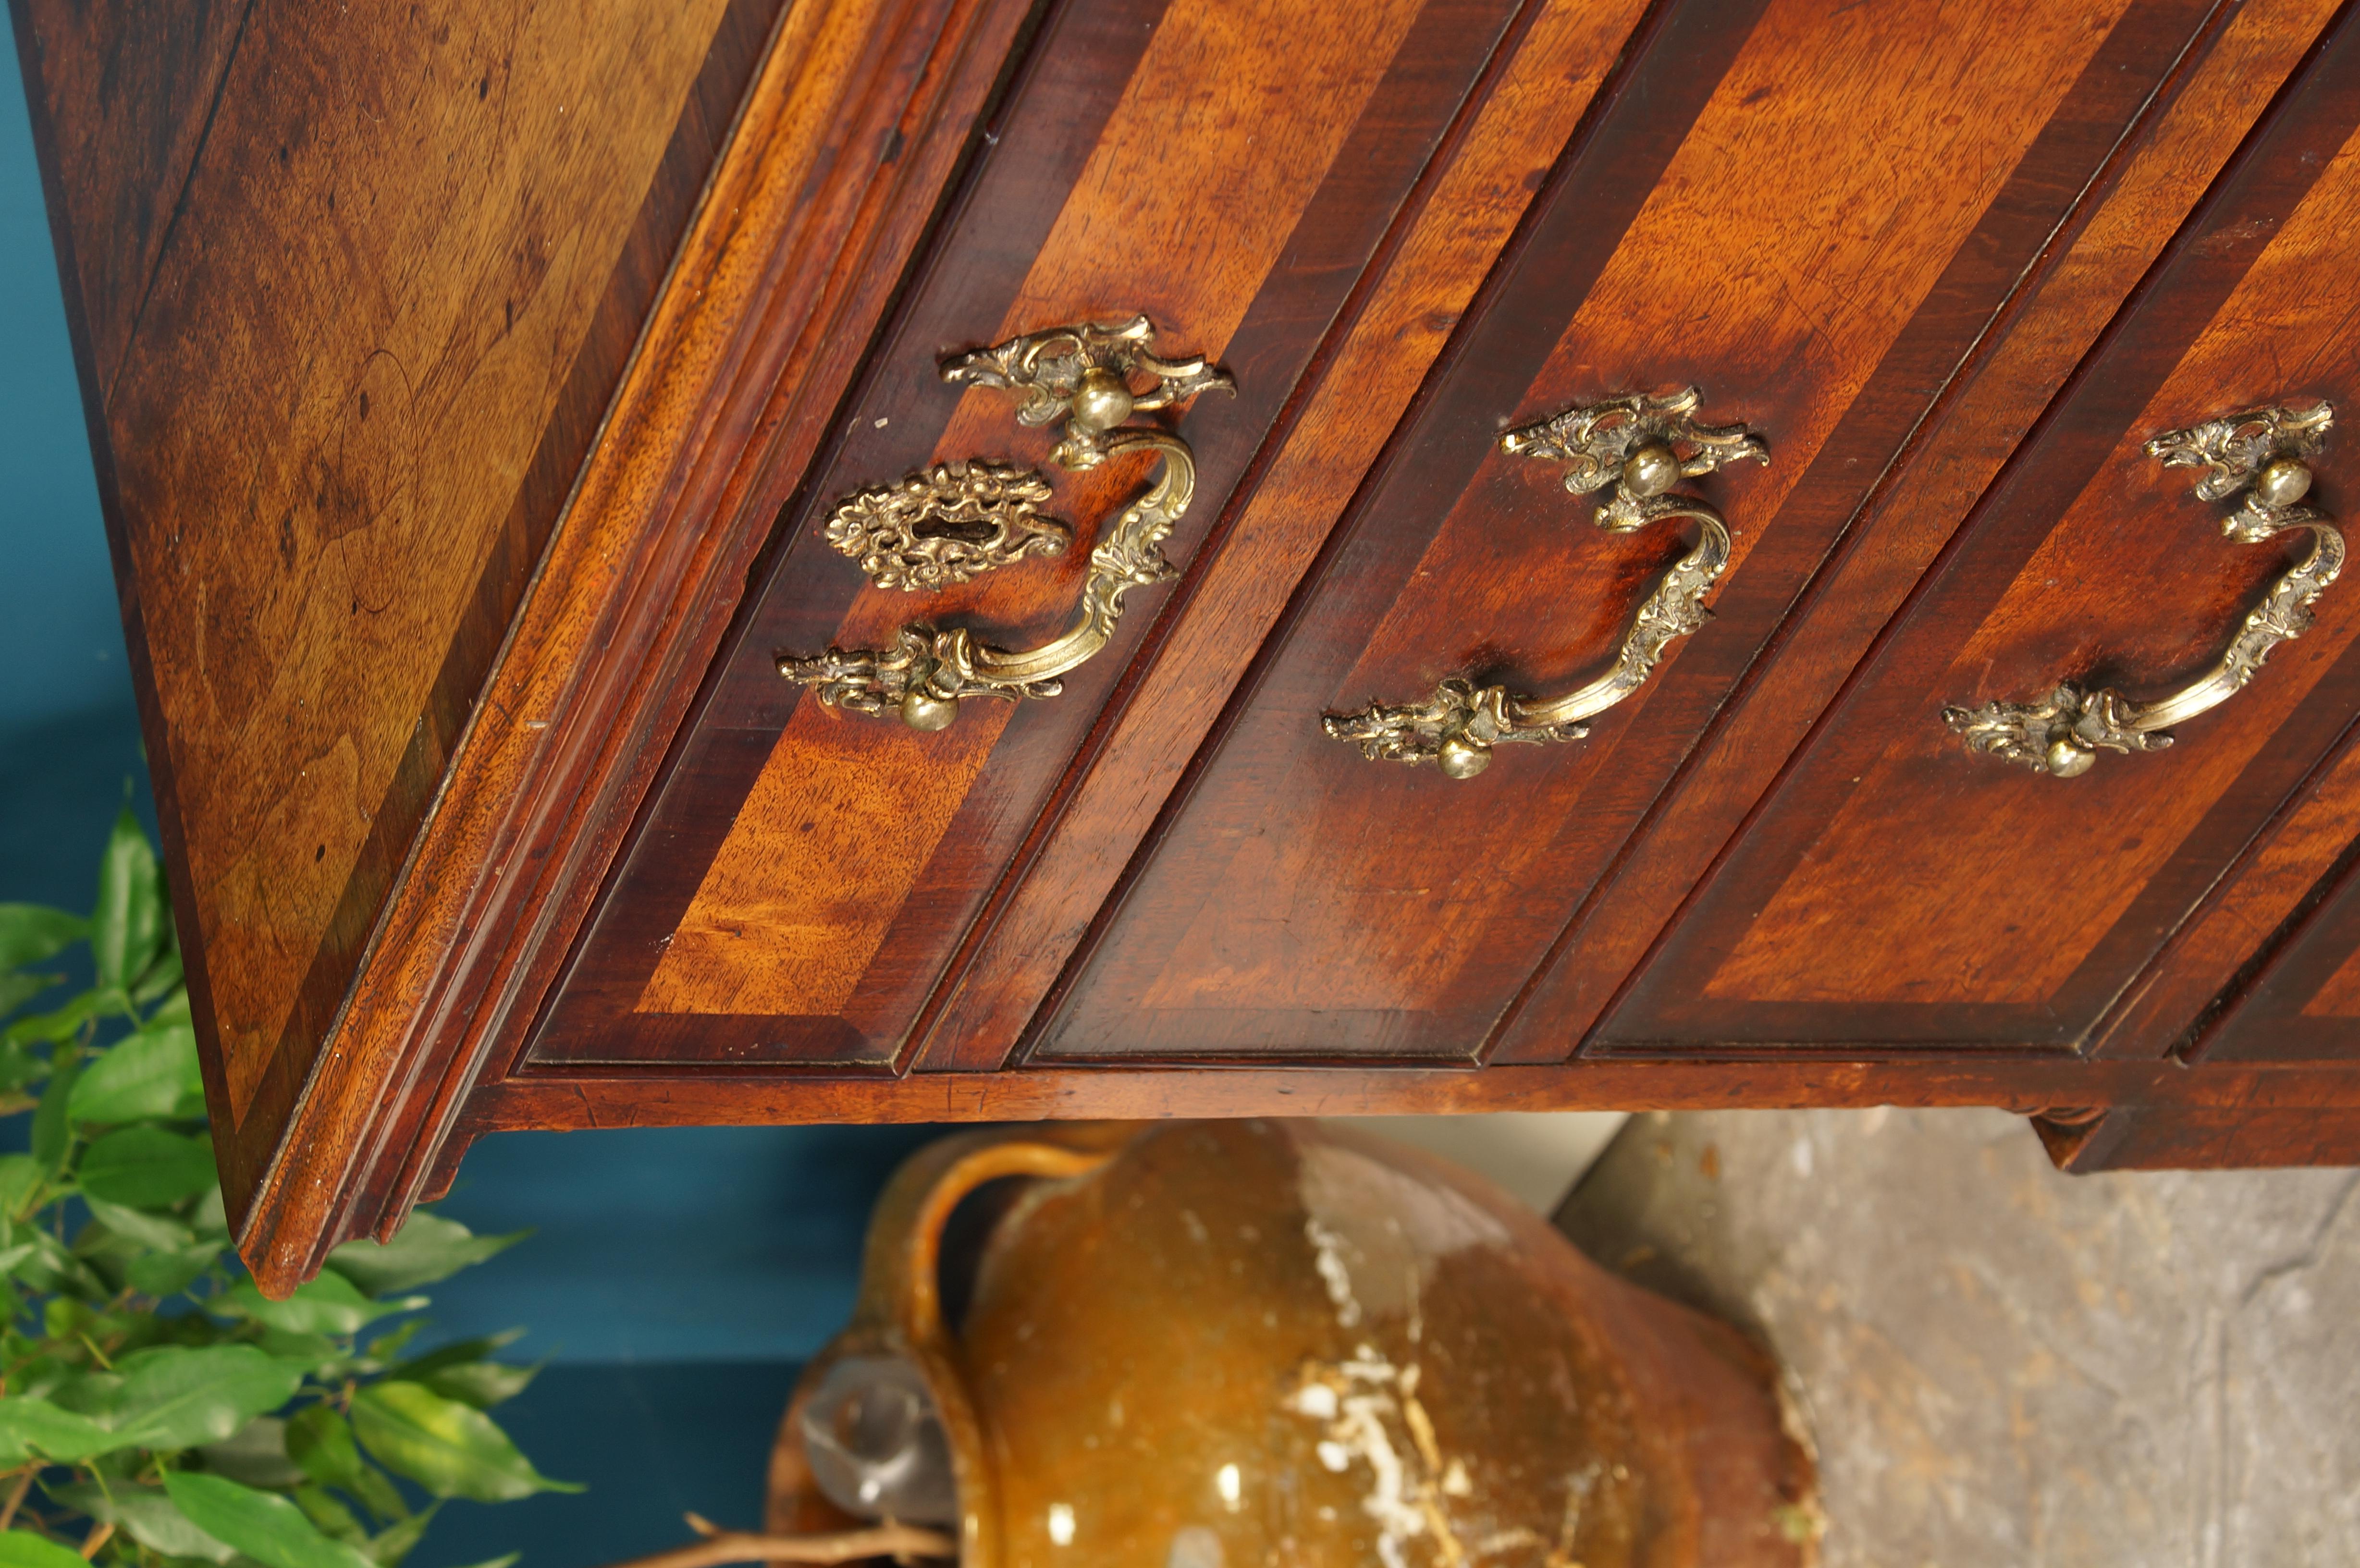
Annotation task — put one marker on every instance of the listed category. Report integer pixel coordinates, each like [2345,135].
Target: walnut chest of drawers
[929,559]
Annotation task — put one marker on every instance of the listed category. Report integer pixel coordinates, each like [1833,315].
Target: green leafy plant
[155,1408]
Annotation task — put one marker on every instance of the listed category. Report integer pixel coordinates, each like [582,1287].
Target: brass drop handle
[949,522]
[2261,454]
[1642,446]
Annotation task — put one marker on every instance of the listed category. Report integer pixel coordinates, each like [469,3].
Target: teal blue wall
[676,1277]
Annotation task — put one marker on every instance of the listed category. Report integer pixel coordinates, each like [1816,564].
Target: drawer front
[2282,941]
[807,870]
[1899,890]
[1811,212]
[2306,1005]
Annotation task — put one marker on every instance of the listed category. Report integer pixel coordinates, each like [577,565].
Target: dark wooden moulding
[610,870]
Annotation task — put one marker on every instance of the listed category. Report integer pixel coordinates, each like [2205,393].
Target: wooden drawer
[1897,892]
[1755,221]
[461,589]
[1314,219]
[2295,902]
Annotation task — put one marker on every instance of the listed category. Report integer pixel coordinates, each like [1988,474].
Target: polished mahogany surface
[807,871]
[1890,893]
[471,421]
[1719,231]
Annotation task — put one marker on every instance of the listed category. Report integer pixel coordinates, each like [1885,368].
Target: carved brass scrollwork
[1642,446]
[946,525]
[2260,453]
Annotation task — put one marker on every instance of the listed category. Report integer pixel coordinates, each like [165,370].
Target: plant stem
[16,1496]
[95,1540]
[737,1546]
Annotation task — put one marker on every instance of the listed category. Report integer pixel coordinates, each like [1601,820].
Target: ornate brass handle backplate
[1642,446]
[951,521]
[2259,454]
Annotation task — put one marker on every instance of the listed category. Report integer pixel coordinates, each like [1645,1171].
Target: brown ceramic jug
[1233,1345]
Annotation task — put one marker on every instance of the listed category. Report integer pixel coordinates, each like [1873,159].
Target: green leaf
[159,1233]
[254,1453]
[162,975]
[332,1518]
[143,1076]
[211,1216]
[30,1426]
[143,1167]
[19,1067]
[429,1247]
[320,1440]
[481,1384]
[144,1513]
[32,932]
[456,1352]
[23,1549]
[128,926]
[169,1273]
[316,1353]
[452,1450]
[60,1024]
[52,1132]
[52,1267]
[19,1174]
[329,1304]
[507,1561]
[396,1543]
[179,1396]
[18,989]
[266,1527]
[385,1346]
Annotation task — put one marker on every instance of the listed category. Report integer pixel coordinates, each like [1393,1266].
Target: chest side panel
[351,303]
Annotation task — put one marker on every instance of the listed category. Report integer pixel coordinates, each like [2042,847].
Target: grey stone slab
[2003,1365]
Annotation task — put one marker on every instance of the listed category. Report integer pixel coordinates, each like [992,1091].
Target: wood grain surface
[341,392]
[1305,901]
[2182,1137]
[471,387]
[2209,963]
[846,810]
[791,260]
[578,1099]
[808,871]
[2153,179]
[2087,561]
[2292,993]
[1275,525]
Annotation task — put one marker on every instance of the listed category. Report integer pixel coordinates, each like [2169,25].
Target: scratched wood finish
[807,872]
[1307,901]
[350,305]
[1896,890]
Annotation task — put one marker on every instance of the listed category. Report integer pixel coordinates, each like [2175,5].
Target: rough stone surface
[2003,1365]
